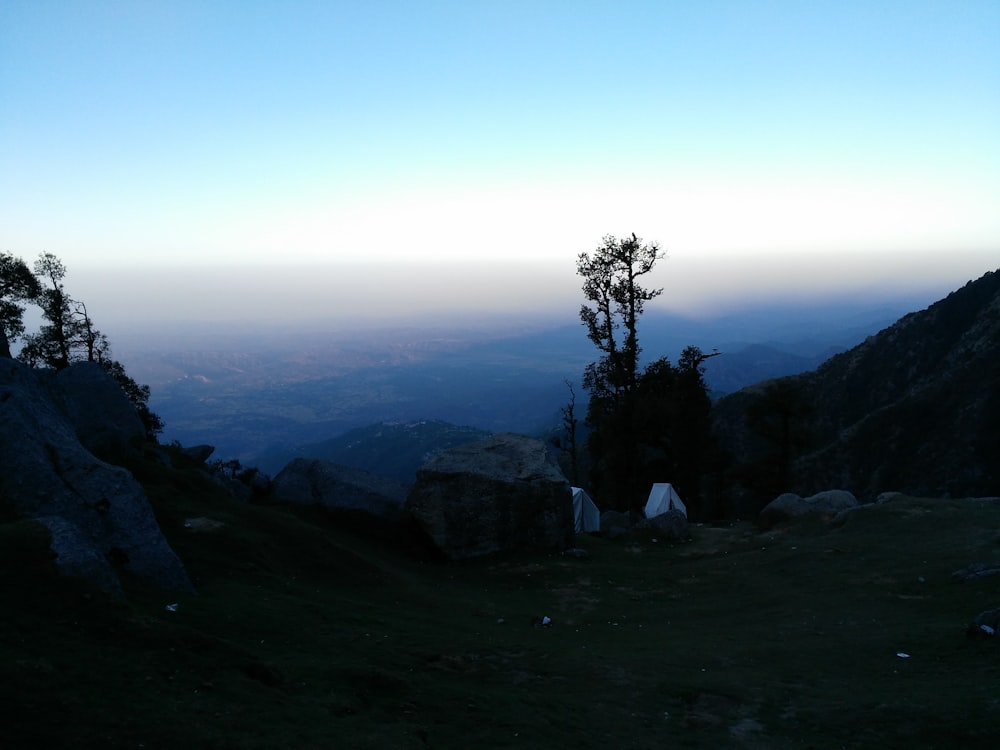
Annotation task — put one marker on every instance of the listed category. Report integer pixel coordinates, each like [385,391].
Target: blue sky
[320,157]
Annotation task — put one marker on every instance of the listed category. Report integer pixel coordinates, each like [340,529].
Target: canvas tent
[586,516]
[664,497]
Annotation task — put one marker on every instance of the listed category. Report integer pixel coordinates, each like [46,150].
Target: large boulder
[308,481]
[987,623]
[104,420]
[498,494]
[98,516]
[791,507]
[672,525]
[198,453]
[615,524]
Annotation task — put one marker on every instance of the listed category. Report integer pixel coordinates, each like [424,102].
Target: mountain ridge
[914,408]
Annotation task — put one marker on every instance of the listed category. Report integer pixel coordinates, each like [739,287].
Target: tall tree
[69,336]
[611,284]
[17,284]
[52,346]
[566,442]
[648,425]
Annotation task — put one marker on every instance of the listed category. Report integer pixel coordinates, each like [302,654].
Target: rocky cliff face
[915,408]
[100,521]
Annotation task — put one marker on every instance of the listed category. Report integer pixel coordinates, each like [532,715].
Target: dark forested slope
[914,408]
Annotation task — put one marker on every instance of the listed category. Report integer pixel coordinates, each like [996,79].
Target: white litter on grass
[546,620]
[987,629]
[902,655]
[171,607]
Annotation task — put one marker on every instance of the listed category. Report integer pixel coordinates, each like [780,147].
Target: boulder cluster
[66,436]
[831,505]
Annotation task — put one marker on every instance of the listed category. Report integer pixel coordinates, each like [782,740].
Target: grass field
[307,634]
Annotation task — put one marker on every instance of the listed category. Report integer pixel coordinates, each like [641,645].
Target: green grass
[306,634]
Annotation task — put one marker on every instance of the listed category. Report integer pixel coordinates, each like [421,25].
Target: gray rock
[98,516]
[671,526]
[790,507]
[843,516]
[104,420]
[987,623]
[249,485]
[975,571]
[616,532]
[309,481]
[888,497]
[76,556]
[199,453]
[615,519]
[499,494]
[784,507]
[831,501]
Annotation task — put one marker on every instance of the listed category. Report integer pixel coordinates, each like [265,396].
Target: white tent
[586,516]
[664,497]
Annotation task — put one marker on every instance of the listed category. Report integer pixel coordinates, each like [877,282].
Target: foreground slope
[308,633]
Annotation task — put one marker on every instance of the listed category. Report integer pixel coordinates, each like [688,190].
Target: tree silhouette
[69,336]
[53,345]
[611,285]
[616,301]
[645,426]
[17,284]
[566,442]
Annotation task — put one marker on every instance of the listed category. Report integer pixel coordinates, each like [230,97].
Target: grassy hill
[308,632]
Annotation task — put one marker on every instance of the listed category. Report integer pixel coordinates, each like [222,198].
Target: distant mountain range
[915,408]
[261,393]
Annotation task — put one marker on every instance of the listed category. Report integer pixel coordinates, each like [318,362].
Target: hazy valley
[257,392]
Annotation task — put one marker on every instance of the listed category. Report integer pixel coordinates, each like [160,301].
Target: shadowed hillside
[915,408]
[305,635]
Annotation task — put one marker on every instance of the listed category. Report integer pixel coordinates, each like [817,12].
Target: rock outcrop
[671,526]
[987,623]
[98,516]
[791,507]
[199,453]
[309,481]
[105,422]
[498,494]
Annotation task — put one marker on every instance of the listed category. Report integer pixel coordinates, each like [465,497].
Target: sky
[241,160]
